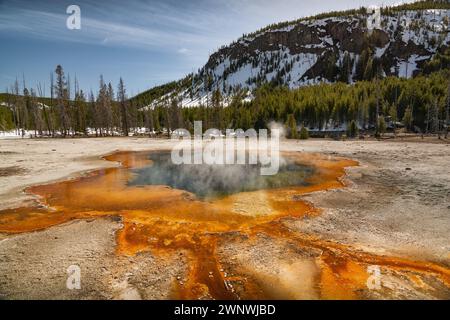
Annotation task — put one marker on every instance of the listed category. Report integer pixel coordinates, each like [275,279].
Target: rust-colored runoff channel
[163,221]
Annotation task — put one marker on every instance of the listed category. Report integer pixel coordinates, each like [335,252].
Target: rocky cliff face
[309,51]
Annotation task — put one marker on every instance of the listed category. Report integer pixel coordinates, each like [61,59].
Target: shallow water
[208,181]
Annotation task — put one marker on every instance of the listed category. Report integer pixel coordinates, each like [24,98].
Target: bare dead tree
[37,113]
[17,100]
[121,97]
[377,115]
[69,108]
[447,112]
[113,110]
[9,103]
[167,121]
[94,113]
[46,119]
[52,111]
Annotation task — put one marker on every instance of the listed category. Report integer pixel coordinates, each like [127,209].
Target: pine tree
[346,69]
[291,124]
[408,118]
[61,99]
[393,115]
[304,134]
[361,65]
[353,129]
[381,126]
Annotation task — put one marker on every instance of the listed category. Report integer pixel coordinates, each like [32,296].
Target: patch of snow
[407,68]
[379,52]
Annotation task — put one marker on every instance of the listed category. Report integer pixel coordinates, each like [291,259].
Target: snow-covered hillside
[311,51]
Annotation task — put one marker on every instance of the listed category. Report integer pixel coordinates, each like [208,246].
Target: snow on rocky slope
[311,51]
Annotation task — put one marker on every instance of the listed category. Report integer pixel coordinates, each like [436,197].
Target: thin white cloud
[52,26]
[183,50]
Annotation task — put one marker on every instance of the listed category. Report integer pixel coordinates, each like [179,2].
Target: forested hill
[331,47]
[324,73]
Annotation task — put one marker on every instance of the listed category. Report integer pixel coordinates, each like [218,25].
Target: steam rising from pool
[207,181]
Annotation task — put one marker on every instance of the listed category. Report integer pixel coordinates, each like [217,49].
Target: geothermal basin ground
[369,205]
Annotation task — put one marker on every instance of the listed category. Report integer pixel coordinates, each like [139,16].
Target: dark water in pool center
[218,180]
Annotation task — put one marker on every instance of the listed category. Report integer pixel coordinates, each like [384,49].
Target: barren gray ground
[397,203]
[398,199]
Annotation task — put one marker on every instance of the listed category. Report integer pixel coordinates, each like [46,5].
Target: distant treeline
[106,113]
[419,104]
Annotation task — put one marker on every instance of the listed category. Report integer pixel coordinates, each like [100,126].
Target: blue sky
[145,42]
